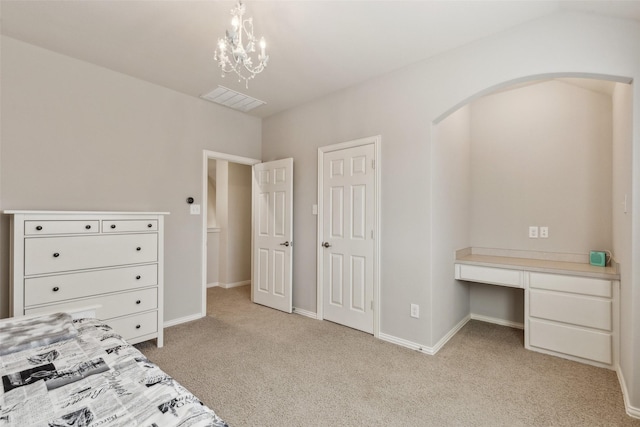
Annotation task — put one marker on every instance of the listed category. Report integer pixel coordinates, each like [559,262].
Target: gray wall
[80,137]
[401,106]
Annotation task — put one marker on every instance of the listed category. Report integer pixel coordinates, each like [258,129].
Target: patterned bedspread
[89,378]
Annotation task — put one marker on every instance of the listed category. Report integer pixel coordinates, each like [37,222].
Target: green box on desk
[598,258]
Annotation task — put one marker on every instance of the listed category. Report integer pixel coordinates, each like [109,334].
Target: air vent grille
[232,99]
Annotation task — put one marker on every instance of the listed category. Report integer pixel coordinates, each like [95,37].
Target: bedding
[81,373]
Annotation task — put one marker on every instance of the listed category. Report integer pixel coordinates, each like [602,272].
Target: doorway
[226,221]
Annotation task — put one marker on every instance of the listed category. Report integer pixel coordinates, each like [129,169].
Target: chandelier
[235,54]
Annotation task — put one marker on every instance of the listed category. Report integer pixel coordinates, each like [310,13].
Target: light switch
[195,209]
[314,209]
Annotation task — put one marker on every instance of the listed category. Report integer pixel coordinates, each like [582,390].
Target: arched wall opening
[548,150]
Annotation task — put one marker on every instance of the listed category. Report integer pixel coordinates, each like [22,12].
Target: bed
[60,371]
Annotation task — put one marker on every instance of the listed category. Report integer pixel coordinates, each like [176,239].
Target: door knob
[326,245]
[284,244]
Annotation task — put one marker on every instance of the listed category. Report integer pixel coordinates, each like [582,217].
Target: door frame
[376,141]
[206,156]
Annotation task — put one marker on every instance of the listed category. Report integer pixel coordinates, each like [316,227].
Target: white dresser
[110,261]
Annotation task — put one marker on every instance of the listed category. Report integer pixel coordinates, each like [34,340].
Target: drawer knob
[38,227]
[56,255]
[113,226]
[137,326]
[56,289]
[88,227]
[138,302]
[150,225]
[138,277]
[138,248]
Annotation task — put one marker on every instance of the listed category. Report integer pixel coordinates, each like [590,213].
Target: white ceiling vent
[232,99]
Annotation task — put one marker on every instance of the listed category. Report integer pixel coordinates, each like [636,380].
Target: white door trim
[376,141]
[206,156]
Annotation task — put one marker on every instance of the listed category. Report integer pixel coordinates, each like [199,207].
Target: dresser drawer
[56,254]
[571,308]
[573,341]
[35,228]
[126,226]
[51,289]
[110,306]
[573,284]
[491,275]
[131,327]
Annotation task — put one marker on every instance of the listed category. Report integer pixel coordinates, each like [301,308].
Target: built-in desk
[571,307]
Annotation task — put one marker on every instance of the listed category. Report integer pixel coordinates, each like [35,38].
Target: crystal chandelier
[234,54]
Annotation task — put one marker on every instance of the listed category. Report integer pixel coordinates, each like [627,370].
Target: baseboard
[423,348]
[305,313]
[497,321]
[406,343]
[234,284]
[631,410]
[174,322]
[213,284]
[450,334]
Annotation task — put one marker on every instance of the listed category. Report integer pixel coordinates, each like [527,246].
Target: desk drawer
[135,326]
[491,275]
[570,308]
[42,290]
[36,228]
[573,284]
[57,254]
[127,226]
[110,306]
[573,341]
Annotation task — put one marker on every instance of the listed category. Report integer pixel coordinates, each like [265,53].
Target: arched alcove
[490,181]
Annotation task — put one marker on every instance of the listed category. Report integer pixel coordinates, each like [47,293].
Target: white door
[348,216]
[273,234]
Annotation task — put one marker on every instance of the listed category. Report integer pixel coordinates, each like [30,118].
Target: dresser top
[20,212]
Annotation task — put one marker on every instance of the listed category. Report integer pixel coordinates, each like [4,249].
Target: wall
[401,106]
[451,198]
[76,136]
[541,155]
[211,202]
[233,199]
[622,227]
[239,268]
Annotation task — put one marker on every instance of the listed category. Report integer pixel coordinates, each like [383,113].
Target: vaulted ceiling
[315,47]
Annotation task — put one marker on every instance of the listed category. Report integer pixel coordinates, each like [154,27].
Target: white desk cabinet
[572,317]
[112,261]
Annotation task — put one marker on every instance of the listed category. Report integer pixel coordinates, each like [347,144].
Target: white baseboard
[234,284]
[631,410]
[406,343]
[423,348]
[450,334]
[306,313]
[497,321]
[213,284]
[174,322]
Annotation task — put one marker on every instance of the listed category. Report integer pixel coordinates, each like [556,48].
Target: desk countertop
[540,265]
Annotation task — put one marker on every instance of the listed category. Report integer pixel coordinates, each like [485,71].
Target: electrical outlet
[533,232]
[194,209]
[415,311]
[544,232]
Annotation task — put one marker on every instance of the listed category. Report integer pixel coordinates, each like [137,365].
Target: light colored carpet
[256,367]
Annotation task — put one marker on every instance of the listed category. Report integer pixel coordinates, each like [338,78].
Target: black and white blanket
[61,372]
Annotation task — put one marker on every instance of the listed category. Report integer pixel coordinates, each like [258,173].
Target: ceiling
[315,47]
